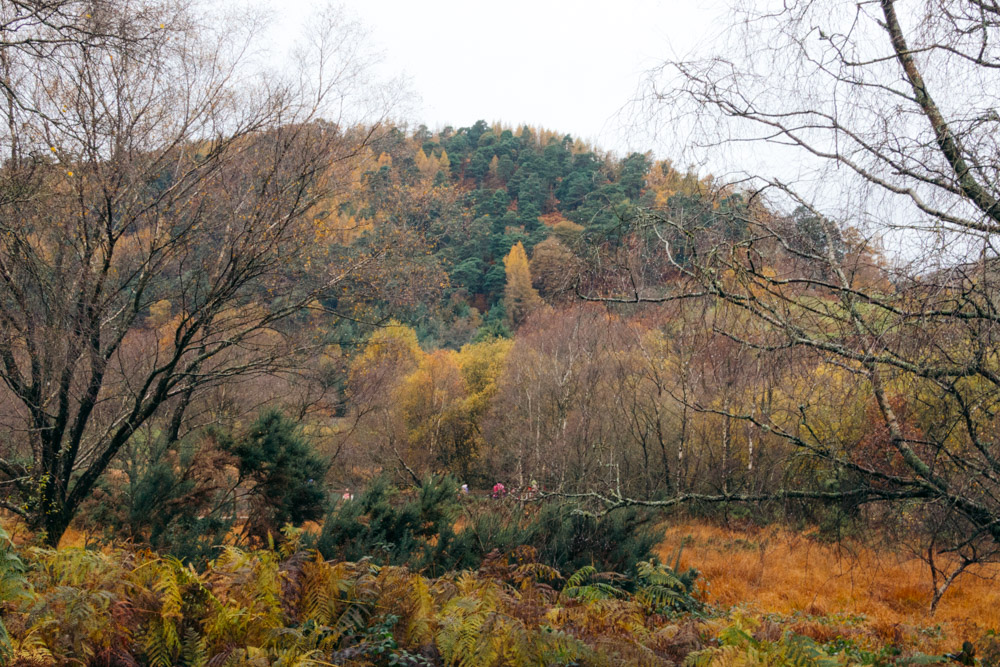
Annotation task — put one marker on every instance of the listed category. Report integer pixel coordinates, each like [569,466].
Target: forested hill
[459,200]
[246,331]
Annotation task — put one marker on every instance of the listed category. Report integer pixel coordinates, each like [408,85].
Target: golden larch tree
[520,297]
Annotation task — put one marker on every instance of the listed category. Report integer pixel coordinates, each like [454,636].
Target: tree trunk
[54,524]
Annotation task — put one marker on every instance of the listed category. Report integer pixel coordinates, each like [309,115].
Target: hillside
[283,382]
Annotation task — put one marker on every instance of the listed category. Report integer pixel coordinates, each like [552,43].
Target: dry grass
[789,580]
[822,588]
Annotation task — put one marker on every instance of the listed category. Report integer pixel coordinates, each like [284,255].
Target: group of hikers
[499,491]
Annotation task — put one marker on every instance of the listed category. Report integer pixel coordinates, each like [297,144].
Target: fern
[662,590]
[250,608]
[30,649]
[739,647]
[194,649]
[463,621]
[14,586]
[409,596]
[163,639]
[801,651]
[581,576]
[594,591]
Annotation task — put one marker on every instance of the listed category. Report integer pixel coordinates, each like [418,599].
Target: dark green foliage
[379,646]
[616,542]
[180,498]
[166,500]
[175,498]
[479,164]
[418,530]
[574,189]
[598,210]
[500,245]
[532,192]
[494,281]
[494,324]
[567,539]
[468,274]
[815,235]
[284,475]
[497,192]
[457,146]
[633,175]
[505,168]
[393,528]
[477,130]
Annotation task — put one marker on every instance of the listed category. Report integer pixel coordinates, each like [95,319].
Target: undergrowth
[287,605]
[420,530]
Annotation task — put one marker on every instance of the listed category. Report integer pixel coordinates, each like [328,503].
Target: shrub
[171,496]
[394,528]
[180,497]
[283,475]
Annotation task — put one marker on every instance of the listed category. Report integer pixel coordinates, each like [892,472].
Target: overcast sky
[567,66]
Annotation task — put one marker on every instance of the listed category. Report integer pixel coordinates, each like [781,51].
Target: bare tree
[881,116]
[156,232]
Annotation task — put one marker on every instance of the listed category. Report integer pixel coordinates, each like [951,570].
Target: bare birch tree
[869,129]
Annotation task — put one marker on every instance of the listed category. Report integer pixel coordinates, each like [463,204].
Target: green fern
[581,576]
[194,649]
[738,647]
[14,586]
[662,590]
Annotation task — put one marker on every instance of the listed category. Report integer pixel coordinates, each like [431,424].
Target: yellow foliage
[429,394]
[482,363]
[427,166]
[520,297]
[394,341]
[159,313]
[438,414]
[663,182]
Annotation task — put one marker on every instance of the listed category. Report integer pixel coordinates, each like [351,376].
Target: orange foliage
[778,571]
[552,219]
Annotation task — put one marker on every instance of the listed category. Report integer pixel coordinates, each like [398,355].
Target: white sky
[567,66]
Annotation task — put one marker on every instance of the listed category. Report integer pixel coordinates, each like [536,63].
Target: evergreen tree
[285,476]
